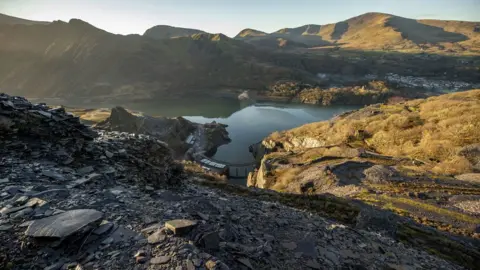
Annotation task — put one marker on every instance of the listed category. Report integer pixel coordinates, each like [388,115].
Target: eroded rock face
[173,131]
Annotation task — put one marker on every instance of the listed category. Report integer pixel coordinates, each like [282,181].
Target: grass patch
[430,208]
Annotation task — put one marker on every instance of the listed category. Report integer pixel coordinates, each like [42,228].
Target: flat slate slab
[180,226]
[64,224]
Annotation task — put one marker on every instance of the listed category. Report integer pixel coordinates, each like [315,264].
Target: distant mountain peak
[249,32]
[167,32]
[211,37]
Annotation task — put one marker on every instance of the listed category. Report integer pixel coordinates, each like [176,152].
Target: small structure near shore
[231,170]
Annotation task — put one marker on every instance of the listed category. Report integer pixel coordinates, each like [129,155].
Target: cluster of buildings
[421,82]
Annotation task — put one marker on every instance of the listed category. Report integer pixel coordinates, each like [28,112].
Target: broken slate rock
[85,179]
[307,247]
[160,260]
[85,170]
[211,241]
[313,264]
[108,154]
[152,228]
[156,237]
[21,200]
[36,202]
[103,228]
[180,226]
[8,210]
[190,265]
[22,213]
[289,245]
[245,262]
[210,264]
[54,175]
[64,224]
[141,259]
[5,227]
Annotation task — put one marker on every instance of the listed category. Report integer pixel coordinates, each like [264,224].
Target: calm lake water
[247,123]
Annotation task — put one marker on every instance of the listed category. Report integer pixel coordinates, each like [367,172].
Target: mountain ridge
[7,19]
[167,31]
[382,31]
[75,59]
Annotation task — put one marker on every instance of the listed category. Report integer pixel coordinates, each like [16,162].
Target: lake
[247,123]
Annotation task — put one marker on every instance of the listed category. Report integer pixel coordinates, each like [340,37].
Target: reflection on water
[254,122]
[247,123]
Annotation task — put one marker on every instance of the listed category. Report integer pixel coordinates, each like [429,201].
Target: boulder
[380,174]
[180,226]
[64,224]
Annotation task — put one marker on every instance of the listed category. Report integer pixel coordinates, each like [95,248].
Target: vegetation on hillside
[379,31]
[435,130]
[418,158]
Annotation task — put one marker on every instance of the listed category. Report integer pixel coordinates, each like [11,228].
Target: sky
[230,16]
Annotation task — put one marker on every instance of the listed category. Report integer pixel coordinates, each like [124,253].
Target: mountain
[5,19]
[248,32]
[166,32]
[77,60]
[263,39]
[379,31]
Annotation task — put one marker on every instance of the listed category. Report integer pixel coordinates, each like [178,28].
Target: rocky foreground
[76,198]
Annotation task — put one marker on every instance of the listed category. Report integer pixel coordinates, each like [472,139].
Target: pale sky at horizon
[230,16]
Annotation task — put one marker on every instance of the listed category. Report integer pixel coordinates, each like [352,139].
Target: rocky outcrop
[163,128]
[216,134]
[206,138]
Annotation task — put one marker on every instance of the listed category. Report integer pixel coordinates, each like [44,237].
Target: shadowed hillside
[75,59]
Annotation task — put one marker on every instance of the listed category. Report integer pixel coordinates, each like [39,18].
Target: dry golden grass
[94,115]
[432,130]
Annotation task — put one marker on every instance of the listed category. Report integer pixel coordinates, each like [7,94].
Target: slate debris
[87,226]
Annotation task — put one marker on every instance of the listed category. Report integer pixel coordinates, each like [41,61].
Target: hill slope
[166,32]
[378,31]
[122,194]
[419,159]
[5,19]
[75,59]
